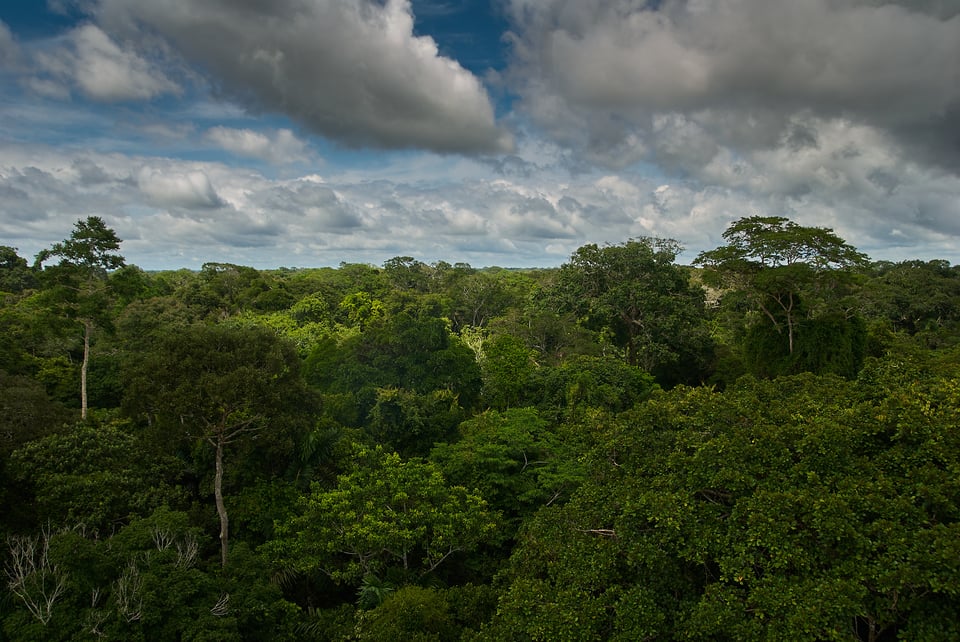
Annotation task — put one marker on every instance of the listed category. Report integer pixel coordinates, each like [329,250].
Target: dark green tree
[222,385]
[515,459]
[412,349]
[803,508]
[507,366]
[78,282]
[407,273]
[96,475]
[144,582]
[919,298]
[635,295]
[786,271]
[411,422]
[15,274]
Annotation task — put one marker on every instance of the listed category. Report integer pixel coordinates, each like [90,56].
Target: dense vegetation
[762,446]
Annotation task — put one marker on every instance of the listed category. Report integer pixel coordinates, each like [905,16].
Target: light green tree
[386,513]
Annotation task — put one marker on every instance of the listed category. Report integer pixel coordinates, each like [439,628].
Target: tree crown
[92,246]
[775,241]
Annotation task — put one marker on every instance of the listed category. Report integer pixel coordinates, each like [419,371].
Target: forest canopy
[762,445]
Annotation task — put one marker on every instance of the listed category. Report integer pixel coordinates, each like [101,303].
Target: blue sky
[500,132]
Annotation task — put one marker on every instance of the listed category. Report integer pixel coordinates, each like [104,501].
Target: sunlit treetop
[775,241]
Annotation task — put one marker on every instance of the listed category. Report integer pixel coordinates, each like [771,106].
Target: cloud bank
[619,64]
[353,72]
[845,112]
[667,118]
[175,214]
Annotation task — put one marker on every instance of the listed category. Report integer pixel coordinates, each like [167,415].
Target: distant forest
[763,445]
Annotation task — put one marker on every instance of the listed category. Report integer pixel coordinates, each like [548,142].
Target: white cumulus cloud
[174,188]
[93,62]
[351,71]
[281,146]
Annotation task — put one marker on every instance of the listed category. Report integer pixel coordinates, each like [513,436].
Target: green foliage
[224,289]
[411,423]
[26,413]
[477,297]
[96,475]
[197,380]
[407,273]
[830,344]
[774,242]
[804,508]
[412,350]
[919,298]
[788,273]
[507,367]
[387,513]
[552,336]
[514,459]
[256,508]
[409,613]
[78,286]
[226,386]
[636,294]
[594,382]
[15,274]
[145,582]
[360,309]
[91,249]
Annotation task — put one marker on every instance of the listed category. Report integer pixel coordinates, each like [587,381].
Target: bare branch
[221,608]
[603,532]
[32,577]
[127,593]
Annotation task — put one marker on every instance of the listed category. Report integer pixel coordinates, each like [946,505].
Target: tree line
[762,445]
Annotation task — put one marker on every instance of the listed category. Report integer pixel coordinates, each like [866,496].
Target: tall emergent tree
[642,300]
[223,385]
[785,270]
[79,281]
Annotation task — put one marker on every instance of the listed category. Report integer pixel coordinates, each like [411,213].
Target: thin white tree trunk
[87,330]
[221,507]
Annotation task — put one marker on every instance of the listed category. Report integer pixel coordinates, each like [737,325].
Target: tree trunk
[87,330]
[790,332]
[790,322]
[221,508]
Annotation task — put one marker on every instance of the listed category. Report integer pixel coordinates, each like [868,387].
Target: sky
[306,133]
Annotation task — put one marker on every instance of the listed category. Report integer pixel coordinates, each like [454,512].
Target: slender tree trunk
[790,331]
[87,330]
[790,322]
[221,508]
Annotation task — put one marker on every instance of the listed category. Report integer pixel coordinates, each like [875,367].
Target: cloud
[621,67]
[844,113]
[191,190]
[91,61]
[313,208]
[174,213]
[351,71]
[281,147]
[9,49]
